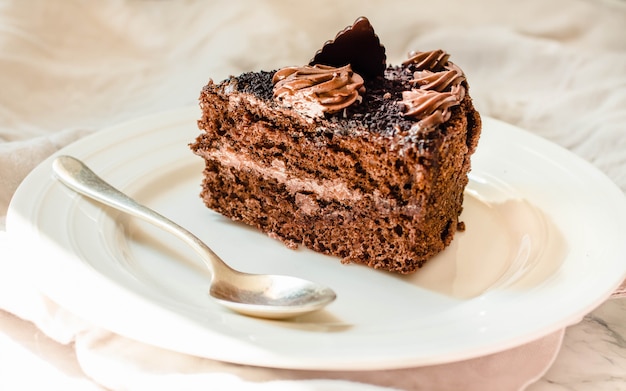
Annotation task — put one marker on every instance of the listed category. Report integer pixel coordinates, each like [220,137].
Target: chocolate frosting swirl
[429,105]
[314,90]
[439,81]
[432,60]
[439,86]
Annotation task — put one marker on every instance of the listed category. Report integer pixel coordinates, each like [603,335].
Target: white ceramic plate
[544,245]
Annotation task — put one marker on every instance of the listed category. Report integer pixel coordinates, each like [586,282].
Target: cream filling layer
[325,189]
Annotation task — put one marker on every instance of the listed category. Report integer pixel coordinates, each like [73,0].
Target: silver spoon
[259,295]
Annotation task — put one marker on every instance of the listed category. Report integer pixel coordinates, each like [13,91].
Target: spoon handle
[80,178]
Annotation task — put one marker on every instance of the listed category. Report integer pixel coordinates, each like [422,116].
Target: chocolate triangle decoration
[356,45]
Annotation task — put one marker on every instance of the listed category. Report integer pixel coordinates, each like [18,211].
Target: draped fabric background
[69,68]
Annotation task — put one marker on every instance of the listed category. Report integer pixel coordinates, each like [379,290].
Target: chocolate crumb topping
[378,111]
[357,45]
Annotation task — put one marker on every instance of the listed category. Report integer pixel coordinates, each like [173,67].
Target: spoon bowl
[270,296]
[259,295]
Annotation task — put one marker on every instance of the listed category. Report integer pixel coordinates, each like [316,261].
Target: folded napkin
[555,68]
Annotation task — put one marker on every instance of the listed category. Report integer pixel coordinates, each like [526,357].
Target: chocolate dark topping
[356,45]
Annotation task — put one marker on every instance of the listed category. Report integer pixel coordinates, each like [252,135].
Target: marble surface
[593,355]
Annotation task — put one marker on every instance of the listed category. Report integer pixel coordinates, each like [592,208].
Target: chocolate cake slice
[346,155]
